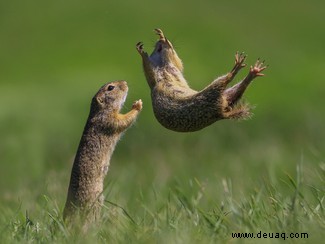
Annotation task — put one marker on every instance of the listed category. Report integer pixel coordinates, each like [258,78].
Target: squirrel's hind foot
[258,68]
[239,62]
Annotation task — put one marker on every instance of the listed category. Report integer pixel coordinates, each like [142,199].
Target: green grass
[186,212]
[262,175]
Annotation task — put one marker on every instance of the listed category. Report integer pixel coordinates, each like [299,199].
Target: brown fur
[180,108]
[103,129]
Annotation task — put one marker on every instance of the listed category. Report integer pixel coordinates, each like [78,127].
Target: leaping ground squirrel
[180,108]
[103,129]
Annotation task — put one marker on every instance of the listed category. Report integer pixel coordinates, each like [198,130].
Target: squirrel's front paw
[139,47]
[137,105]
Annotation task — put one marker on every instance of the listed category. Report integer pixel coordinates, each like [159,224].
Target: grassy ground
[264,175]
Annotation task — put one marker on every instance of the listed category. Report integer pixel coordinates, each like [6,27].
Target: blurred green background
[56,54]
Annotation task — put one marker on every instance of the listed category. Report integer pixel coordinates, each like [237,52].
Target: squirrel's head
[110,97]
[164,52]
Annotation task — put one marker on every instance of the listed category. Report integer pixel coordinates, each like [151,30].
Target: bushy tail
[240,111]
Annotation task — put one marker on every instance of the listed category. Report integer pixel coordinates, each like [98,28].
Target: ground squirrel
[180,108]
[103,129]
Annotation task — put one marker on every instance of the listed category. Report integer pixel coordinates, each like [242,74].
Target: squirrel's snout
[123,85]
[123,82]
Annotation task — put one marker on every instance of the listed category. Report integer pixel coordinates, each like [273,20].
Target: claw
[258,68]
[240,58]
[160,34]
[139,47]
[239,62]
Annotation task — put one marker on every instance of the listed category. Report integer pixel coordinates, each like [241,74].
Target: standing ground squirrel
[103,129]
[180,108]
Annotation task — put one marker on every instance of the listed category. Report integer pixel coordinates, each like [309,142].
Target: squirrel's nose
[123,85]
[123,82]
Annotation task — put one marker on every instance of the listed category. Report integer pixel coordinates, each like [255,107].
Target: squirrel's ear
[99,100]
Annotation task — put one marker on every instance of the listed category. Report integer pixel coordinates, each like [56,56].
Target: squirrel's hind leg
[234,93]
[224,80]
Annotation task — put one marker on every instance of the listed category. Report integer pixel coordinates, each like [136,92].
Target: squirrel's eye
[110,88]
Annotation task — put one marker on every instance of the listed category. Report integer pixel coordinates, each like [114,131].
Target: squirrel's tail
[240,111]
